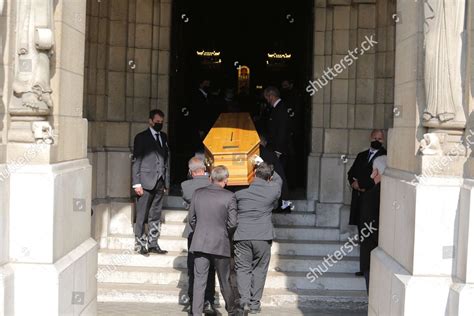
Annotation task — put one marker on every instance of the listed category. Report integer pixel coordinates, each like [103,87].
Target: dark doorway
[216,40]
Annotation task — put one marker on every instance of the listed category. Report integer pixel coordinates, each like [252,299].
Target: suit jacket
[213,217]
[254,209]
[150,160]
[361,170]
[278,128]
[294,103]
[203,111]
[188,187]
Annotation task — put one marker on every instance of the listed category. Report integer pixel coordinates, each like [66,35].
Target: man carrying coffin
[200,179]
[254,235]
[213,218]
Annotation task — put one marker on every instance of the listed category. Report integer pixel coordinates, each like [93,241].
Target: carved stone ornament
[431,145]
[43,132]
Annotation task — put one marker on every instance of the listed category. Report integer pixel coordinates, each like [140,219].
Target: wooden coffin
[233,142]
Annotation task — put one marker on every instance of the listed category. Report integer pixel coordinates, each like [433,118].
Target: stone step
[293,218]
[275,280]
[109,258]
[170,294]
[176,202]
[292,232]
[280,246]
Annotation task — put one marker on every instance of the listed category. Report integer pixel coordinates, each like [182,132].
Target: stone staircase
[127,277]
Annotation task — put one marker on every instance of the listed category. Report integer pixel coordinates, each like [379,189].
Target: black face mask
[158,126]
[375,144]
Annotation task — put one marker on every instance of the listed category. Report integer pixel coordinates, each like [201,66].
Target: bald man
[200,179]
[360,180]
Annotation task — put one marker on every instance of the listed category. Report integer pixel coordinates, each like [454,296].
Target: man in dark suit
[270,157]
[203,110]
[254,235]
[213,218]
[278,133]
[297,152]
[200,179]
[360,180]
[150,161]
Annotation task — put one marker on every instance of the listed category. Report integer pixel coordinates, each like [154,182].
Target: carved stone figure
[31,102]
[443,28]
[34,48]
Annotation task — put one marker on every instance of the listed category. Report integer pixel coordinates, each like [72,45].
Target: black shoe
[157,250]
[359,274]
[142,251]
[208,309]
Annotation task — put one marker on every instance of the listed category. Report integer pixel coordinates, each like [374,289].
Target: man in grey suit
[150,160]
[213,218]
[199,180]
[254,235]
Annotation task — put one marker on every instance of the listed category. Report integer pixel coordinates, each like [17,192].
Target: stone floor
[143,309]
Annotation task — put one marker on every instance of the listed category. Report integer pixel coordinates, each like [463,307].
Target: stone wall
[357,100]
[126,75]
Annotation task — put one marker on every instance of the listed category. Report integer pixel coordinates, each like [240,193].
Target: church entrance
[240,48]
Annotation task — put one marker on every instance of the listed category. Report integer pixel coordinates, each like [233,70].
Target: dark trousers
[284,186]
[202,261]
[149,207]
[209,294]
[252,258]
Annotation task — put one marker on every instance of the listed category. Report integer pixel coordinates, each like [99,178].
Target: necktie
[371,154]
[158,139]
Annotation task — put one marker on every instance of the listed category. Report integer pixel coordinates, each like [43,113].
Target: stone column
[6,275]
[423,265]
[50,259]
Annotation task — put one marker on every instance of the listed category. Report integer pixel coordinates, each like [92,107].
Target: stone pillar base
[6,291]
[423,264]
[51,254]
[461,299]
[393,291]
[67,287]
